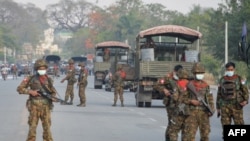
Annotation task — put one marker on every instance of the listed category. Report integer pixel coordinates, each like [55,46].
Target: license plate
[148,88]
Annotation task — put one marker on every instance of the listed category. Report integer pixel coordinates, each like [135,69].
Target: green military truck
[158,50]
[108,55]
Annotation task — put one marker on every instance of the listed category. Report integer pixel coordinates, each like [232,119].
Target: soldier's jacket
[179,96]
[203,90]
[231,91]
[70,77]
[170,84]
[33,83]
[118,81]
[83,77]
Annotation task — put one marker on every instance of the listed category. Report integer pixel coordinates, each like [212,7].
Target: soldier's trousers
[118,91]
[176,125]
[69,93]
[39,109]
[230,112]
[170,113]
[82,95]
[198,118]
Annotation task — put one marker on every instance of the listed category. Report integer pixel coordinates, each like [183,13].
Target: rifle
[191,87]
[53,98]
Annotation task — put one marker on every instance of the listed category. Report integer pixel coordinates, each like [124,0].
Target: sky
[183,6]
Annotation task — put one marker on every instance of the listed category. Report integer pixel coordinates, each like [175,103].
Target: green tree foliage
[25,21]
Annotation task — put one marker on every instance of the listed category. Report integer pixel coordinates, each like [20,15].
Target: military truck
[53,64]
[108,55]
[158,50]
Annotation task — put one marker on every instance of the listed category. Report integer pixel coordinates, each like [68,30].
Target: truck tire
[147,104]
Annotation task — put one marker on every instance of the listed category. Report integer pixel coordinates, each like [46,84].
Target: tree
[69,15]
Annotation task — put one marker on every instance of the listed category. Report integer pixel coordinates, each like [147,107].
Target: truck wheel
[139,104]
[147,104]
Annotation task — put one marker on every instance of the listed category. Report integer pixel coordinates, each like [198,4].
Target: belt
[229,101]
[197,108]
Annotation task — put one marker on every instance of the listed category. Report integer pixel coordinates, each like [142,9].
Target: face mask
[41,72]
[176,77]
[199,76]
[229,73]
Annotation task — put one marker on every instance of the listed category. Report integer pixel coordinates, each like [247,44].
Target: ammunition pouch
[38,101]
[28,104]
[72,80]
[166,101]
[239,99]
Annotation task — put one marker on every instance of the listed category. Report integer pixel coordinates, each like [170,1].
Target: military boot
[81,105]
[114,103]
[71,102]
[122,104]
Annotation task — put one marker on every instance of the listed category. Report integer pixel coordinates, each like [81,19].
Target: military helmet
[198,68]
[182,74]
[40,63]
[71,61]
[81,64]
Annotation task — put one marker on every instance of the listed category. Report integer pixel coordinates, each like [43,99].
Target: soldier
[38,106]
[199,115]
[167,86]
[232,96]
[118,81]
[106,55]
[82,84]
[181,112]
[14,71]
[70,77]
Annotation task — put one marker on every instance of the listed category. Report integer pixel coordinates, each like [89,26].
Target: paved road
[98,121]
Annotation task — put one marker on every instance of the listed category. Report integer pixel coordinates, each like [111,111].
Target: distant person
[14,71]
[70,77]
[82,84]
[106,55]
[232,96]
[118,81]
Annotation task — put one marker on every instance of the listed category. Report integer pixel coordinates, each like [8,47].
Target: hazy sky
[183,6]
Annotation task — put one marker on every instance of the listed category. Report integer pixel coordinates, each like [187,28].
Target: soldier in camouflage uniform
[167,86]
[118,81]
[70,77]
[199,116]
[181,112]
[39,107]
[82,84]
[232,96]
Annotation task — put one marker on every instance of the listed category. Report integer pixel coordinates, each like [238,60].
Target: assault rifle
[191,87]
[53,98]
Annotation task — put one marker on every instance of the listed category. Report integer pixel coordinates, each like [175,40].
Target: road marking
[164,127]
[140,113]
[152,119]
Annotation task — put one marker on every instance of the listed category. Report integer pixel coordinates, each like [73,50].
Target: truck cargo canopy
[173,31]
[112,44]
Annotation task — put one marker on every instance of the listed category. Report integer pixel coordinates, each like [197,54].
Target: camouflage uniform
[118,82]
[39,107]
[169,83]
[70,77]
[198,117]
[180,110]
[82,84]
[230,93]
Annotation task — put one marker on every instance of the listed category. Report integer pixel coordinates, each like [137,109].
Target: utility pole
[226,43]
[4,55]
